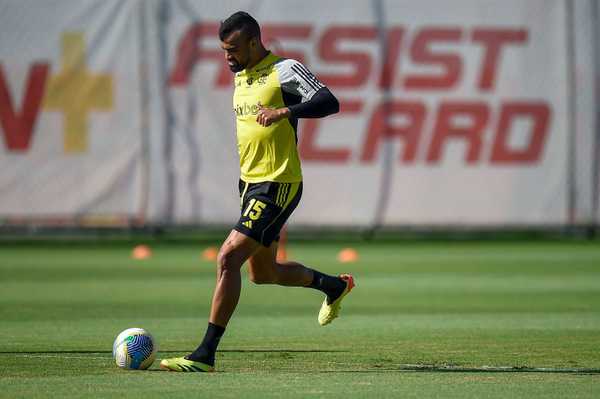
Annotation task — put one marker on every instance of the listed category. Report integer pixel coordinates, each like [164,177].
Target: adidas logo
[248,224]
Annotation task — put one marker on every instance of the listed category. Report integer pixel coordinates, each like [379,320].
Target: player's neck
[260,55]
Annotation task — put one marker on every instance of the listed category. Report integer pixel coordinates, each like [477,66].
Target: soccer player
[271,94]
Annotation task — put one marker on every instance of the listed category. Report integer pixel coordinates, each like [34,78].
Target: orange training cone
[141,252]
[282,255]
[210,254]
[347,255]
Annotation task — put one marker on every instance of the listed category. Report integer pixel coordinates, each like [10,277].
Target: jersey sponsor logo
[246,109]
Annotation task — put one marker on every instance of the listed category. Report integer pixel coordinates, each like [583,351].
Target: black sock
[332,286]
[205,353]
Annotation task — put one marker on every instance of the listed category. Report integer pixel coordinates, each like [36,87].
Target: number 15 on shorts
[254,209]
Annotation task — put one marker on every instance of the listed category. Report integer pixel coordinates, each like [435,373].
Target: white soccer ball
[134,349]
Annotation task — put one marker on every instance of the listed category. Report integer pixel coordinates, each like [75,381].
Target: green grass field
[461,319]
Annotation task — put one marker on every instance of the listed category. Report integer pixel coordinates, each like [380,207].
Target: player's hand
[267,116]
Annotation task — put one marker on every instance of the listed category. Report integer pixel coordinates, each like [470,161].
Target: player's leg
[236,249]
[277,202]
[263,268]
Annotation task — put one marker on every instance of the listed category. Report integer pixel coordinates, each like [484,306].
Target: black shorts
[265,207]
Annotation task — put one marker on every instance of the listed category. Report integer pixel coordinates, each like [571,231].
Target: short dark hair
[241,21]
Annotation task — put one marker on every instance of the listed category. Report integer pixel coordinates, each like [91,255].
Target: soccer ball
[134,349]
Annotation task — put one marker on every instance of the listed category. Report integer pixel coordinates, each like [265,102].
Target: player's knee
[227,261]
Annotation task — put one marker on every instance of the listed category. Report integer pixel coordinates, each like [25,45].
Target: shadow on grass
[474,370]
[82,352]
[459,369]
[376,368]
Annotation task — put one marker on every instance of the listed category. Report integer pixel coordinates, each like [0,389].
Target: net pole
[388,157]
[145,118]
[571,127]
[595,14]
[164,15]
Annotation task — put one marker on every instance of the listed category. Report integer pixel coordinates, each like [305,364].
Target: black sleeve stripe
[308,81]
[304,77]
[310,75]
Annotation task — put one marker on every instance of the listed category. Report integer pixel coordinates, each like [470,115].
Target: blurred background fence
[454,115]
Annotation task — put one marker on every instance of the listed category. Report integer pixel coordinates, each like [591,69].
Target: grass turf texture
[449,309]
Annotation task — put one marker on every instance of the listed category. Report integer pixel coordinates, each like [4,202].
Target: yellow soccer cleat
[330,311]
[184,365]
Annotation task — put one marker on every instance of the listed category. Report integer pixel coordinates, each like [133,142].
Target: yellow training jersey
[270,153]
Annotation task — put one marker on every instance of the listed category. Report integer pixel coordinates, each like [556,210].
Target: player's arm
[321,104]
[315,99]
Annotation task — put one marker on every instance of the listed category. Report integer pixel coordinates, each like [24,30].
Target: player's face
[237,49]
